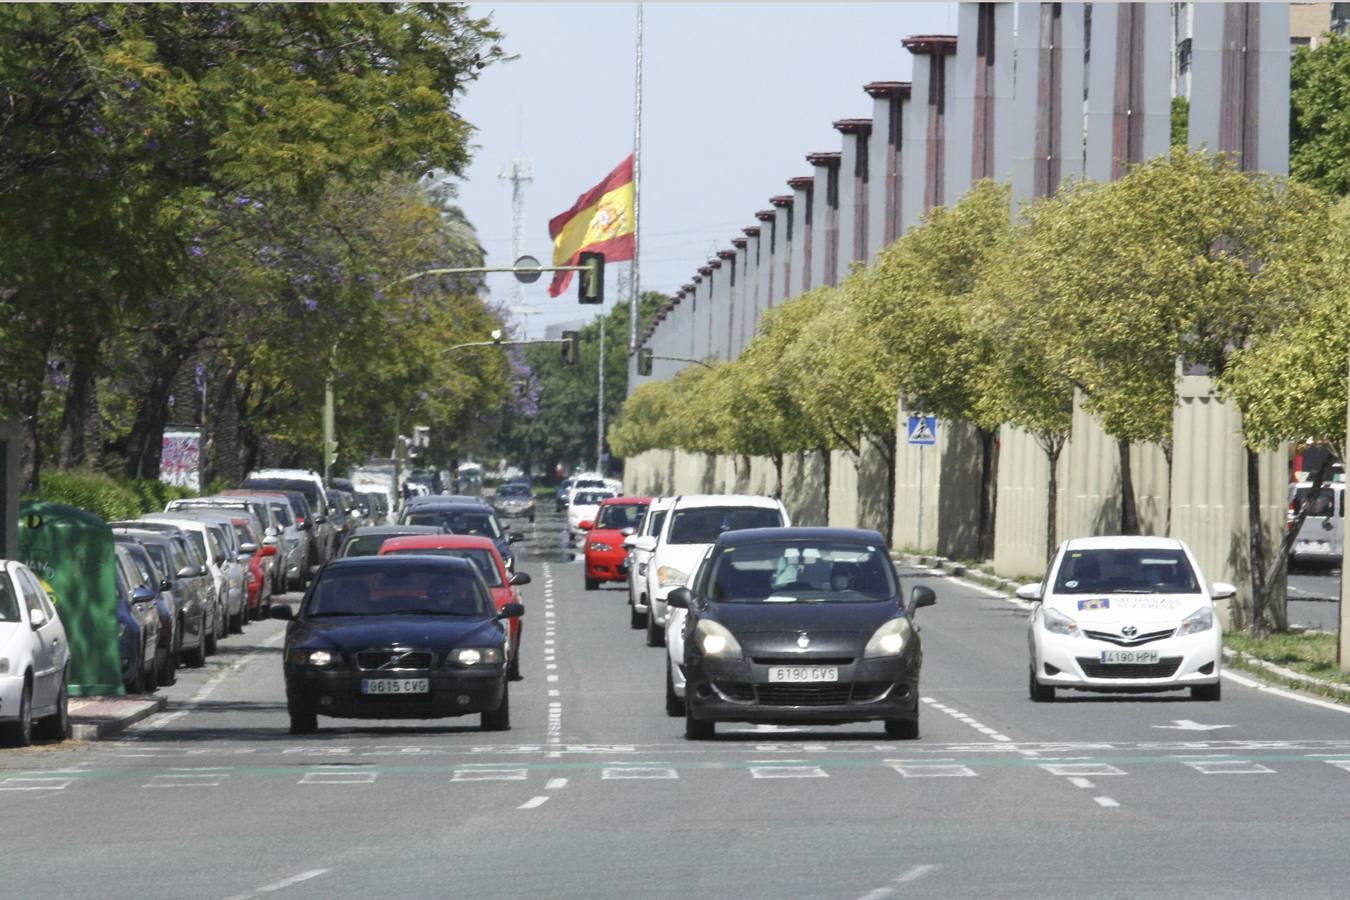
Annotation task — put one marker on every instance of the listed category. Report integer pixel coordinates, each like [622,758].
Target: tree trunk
[887,444]
[1256,546]
[826,458]
[1129,515]
[1052,453]
[778,474]
[30,466]
[73,447]
[1167,454]
[146,440]
[988,491]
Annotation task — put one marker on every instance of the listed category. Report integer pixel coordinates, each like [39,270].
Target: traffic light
[571,347]
[644,361]
[591,284]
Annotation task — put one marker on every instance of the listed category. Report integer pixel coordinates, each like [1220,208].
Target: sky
[734,97]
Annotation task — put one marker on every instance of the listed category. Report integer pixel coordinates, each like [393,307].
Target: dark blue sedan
[397,637]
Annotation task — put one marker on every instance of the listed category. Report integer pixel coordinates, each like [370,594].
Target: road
[595,792]
[1314,599]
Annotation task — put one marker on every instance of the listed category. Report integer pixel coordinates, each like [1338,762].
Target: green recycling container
[72,550]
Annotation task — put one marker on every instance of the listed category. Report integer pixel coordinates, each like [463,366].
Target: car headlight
[669,575]
[320,658]
[890,639]
[476,656]
[599,547]
[1200,620]
[1058,623]
[716,641]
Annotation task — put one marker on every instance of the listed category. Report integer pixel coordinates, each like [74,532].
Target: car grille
[1163,668]
[394,660]
[1135,641]
[803,660]
[831,694]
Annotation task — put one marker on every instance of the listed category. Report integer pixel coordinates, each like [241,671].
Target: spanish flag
[601,221]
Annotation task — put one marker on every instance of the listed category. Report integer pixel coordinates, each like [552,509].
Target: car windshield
[482,524]
[513,490]
[800,571]
[9,602]
[589,498]
[702,524]
[1320,507]
[1126,571]
[482,559]
[620,515]
[199,543]
[403,589]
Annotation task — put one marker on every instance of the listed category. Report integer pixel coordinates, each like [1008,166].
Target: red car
[482,552]
[606,556]
[257,574]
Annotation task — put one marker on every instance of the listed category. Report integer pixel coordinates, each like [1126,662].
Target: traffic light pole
[600,417]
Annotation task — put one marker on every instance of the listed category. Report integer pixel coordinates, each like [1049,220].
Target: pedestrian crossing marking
[788,772]
[35,784]
[490,775]
[638,772]
[930,770]
[1081,769]
[1231,767]
[212,779]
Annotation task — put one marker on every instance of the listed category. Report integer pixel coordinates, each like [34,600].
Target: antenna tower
[519,173]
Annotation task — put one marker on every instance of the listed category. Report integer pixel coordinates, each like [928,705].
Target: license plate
[802,674]
[395,685]
[1127,657]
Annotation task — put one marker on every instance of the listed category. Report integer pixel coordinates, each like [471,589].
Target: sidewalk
[92,718]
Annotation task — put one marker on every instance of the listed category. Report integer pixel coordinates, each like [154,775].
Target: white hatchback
[584,507]
[1125,614]
[34,659]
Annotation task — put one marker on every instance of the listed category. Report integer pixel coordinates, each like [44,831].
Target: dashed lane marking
[1105,802]
[205,780]
[1231,767]
[962,717]
[338,778]
[788,772]
[555,784]
[912,874]
[623,772]
[486,774]
[534,802]
[281,885]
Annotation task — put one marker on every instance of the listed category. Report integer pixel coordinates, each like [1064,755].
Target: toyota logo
[803,640]
[1129,631]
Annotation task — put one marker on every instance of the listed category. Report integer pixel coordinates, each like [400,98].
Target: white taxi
[1127,614]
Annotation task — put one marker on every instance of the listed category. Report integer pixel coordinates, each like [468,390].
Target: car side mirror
[515,537]
[627,532]
[37,617]
[1222,590]
[628,541]
[921,595]
[512,611]
[269,550]
[682,598]
[165,584]
[520,578]
[271,539]
[248,547]
[1030,592]
[143,594]
[586,524]
[319,520]
[188,572]
[646,543]
[201,570]
[281,611]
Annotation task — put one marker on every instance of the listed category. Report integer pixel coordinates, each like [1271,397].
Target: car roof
[812,533]
[456,505]
[376,530]
[753,500]
[661,503]
[439,542]
[1124,542]
[432,499]
[143,534]
[626,501]
[394,562]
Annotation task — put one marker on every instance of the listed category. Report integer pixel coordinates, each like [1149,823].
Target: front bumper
[454,692]
[1075,662]
[515,512]
[607,566]
[11,695]
[739,691]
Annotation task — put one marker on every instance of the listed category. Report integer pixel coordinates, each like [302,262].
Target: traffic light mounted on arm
[644,361]
[571,347]
[591,284]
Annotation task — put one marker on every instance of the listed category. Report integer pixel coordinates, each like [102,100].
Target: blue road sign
[923,430]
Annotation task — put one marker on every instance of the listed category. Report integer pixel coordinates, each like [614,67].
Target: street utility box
[71,549]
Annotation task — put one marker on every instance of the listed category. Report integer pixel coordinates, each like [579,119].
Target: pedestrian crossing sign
[923,430]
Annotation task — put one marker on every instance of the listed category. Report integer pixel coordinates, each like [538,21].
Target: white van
[1321,540]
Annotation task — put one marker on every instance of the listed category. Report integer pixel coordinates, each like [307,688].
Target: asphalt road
[595,793]
[1314,599]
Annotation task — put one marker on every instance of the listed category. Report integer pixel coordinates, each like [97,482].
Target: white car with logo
[34,659]
[638,559]
[584,507]
[1127,614]
[691,527]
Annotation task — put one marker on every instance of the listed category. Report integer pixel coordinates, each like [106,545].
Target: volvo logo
[803,640]
[1129,631]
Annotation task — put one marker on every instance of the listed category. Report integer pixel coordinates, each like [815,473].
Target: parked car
[794,626]
[138,626]
[583,508]
[412,637]
[639,558]
[482,552]
[270,513]
[466,518]
[292,511]
[368,541]
[187,584]
[211,554]
[257,559]
[227,554]
[676,619]
[198,575]
[323,543]
[338,510]
[514,501]
[34,660]
[563,494]
[1124,614]
[1320,541]
[605,556]
[691,527]
[168,649]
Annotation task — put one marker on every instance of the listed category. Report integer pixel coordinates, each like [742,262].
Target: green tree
[1319,115]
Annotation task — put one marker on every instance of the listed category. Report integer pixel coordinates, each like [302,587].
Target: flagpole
[633,282]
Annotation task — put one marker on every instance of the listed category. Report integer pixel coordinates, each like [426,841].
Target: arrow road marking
[1188,725]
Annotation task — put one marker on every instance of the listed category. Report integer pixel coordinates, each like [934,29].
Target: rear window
[399,590]
[482,560]
[482,524]
[365,545]
[702,525]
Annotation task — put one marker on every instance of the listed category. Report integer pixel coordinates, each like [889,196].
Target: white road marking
[948,770]
[1105,801]
[484,774]
[912,874]
[638,772]
[1188,725]
[788,772]
[338,778]
[962,717]
[1095,769]
[534,802]
[1080,782]
[155,722]
[282,884]
[177,781]
[1281,692]
[555,784]
[35,784]
[1231,767]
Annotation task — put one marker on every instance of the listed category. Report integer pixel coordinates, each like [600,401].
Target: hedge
[106,497]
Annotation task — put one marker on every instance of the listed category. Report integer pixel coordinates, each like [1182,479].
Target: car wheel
[513,671]
[222,621]
[1209,693]
[137,683]
[56,727]
[237,620]
[19,733]
[1040,693]
[169,673]
[151,679]
[674,704]
[655,633]
[208,637]
[698,729]
[903,729]
[592,584]
[499,719]
[636,619]
[303,721]
[195,657]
